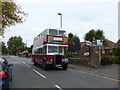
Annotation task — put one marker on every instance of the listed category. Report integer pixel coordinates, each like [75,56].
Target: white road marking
[58,87]
[23,62]
[39,73]
[27,65]
[14,62]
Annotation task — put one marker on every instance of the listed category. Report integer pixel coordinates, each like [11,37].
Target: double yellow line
[95,75]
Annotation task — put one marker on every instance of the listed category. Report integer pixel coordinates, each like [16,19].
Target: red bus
[49,48]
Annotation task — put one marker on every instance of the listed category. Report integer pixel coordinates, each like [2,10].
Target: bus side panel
[37,58]
[50,57]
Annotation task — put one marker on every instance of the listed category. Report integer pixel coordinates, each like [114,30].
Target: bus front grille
[58,59]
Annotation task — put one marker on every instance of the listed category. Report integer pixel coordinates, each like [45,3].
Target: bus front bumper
[64,61]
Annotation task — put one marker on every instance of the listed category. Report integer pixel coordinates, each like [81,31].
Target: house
[117,44]
[84,50]
[105,50]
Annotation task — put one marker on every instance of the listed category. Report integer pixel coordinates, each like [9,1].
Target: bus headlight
[50,60]
[65,60]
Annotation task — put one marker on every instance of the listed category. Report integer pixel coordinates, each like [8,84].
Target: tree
[97,34]
[89,36]
[73,43]
[70,35]
[76,42]
[29,49]
[15,45]
[70,42]
[4,49]
[11,14]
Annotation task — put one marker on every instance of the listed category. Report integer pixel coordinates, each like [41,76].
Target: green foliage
[11,15]
[29,50]
[116,51]
[105,42]
[76,43]
[98,34]
[15,45]
[89,36]
[70,35]
[73,43]
[115,59]
[110,60]
[106,60]
[4,49]
[68,55]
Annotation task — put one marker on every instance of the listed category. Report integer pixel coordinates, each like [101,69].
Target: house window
[103,51]
[110,51]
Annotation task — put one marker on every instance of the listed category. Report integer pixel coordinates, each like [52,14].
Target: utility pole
[1,30]
[60,20]
[0,46]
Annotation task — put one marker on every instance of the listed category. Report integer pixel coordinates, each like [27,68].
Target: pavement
[110,71]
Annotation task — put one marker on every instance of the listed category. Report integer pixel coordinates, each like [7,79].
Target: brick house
[105,50]
[117,44]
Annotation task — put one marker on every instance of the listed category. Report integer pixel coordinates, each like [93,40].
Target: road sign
[99,42]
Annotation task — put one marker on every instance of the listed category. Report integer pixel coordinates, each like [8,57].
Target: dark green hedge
[106,60]
[68,55]
[116,51]
[110,60]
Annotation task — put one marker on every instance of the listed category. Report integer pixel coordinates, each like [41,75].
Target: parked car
[5,73]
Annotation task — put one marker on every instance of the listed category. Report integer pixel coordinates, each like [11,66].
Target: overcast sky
[79,16]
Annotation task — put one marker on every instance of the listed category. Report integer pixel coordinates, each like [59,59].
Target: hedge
[68,55]
[116,51]
[110,60]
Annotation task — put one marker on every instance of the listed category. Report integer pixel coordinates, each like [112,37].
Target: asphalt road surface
[26,75]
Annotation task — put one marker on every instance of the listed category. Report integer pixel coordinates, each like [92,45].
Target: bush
[116,59]
[68,55]
[110,60]
[116,51]
[106,60]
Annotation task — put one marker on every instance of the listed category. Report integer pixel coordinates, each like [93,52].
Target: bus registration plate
[58,65]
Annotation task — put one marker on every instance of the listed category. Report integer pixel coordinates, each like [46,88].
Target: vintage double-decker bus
[49,48]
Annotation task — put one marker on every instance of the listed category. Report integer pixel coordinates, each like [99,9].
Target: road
[26,75]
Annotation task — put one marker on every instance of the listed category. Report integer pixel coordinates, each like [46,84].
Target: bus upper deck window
[62,33]
[52,32]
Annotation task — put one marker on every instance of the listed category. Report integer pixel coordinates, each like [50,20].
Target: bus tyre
[64,66]
[45,67]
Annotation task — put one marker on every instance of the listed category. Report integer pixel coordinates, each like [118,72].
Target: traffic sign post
[99,43]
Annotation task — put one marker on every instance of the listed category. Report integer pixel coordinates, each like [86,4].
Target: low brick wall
[78,61]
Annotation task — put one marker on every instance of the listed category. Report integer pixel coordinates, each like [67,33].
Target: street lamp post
[60,19]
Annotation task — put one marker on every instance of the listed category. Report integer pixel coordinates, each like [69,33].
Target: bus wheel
[35,62]
[45,67]
[64,66]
